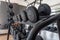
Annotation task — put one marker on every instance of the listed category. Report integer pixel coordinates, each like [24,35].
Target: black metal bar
[39,25]
[35,2]
[40,2]
[8,32]
[32,3]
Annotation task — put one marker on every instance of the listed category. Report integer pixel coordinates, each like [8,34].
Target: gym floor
[4,37]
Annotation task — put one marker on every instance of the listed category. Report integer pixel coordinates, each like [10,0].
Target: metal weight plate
[24,16]
[32,14]
[44,10]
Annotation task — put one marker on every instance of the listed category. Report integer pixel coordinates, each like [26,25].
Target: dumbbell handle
[33,33]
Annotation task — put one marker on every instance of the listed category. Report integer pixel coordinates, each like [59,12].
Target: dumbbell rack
[42,25]
[35,24]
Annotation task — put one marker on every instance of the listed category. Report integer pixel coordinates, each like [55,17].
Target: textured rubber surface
[32,14]
[24,16]
[44,10]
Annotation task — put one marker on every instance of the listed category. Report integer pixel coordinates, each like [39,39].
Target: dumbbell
[40,25]
[20,18]
[33,15]
[10,6]
[23,16]
[53,29]
[44,10]
[11,12]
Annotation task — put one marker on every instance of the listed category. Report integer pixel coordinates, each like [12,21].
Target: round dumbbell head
[32,14]
[24,16]
[44,10]
[20,18]
[11,6]
[11,13]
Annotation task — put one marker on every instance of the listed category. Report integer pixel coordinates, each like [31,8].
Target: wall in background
[4,11]
[22,2]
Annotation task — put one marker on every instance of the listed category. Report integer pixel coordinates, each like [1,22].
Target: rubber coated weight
[20,18]
[11,6]
[11,13]
[44,10]
[24,16]
[32,14]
